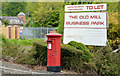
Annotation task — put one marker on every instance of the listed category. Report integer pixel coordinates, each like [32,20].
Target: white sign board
[88,28]
[86,7]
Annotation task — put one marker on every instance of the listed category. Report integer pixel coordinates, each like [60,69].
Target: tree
[13,8]
[47,14]
[6,22]
[114,30]
[31,7]
[4,5]
[60,28]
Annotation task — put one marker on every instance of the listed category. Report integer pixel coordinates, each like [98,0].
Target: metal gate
[34,33]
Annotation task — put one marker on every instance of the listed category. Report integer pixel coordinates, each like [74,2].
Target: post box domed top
[53,33]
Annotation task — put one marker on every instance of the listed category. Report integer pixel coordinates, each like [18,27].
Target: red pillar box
[53,51]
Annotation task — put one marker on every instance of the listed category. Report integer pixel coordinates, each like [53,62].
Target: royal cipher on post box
[53,51]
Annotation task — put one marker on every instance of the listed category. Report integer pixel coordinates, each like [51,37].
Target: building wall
[22,17]
[5,31]
[13,32]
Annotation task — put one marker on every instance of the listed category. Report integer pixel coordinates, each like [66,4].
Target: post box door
[53,53]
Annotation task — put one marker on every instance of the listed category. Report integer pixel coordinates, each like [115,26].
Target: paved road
[10,68]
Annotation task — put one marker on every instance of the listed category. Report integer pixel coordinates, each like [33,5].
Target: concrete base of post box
[53,68]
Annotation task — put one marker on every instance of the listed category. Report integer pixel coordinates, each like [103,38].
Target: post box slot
[49,41]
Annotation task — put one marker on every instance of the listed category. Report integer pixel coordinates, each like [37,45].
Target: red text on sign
[95,7]
[95,17]
[77,23]
[74,17]
[84,17]
[97,23]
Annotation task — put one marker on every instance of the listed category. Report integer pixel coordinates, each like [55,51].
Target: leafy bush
[8,47]
[86,53]
[114,30]
[106,61]
[5,22]
[17,52]
[40,49]
[26,57]
[71,58]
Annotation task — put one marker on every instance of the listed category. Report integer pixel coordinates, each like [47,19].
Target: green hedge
[74,56]
[71,58]
[16,52]
[8,48]
[106,61]
[86,53]
[40,49]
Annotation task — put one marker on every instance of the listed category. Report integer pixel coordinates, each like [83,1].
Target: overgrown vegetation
[74,59]
[25,42]
[87,55]
[16,51]
[6,22]
[114,30]
[71,58]
[13,8]
[106,61]
[79,58]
